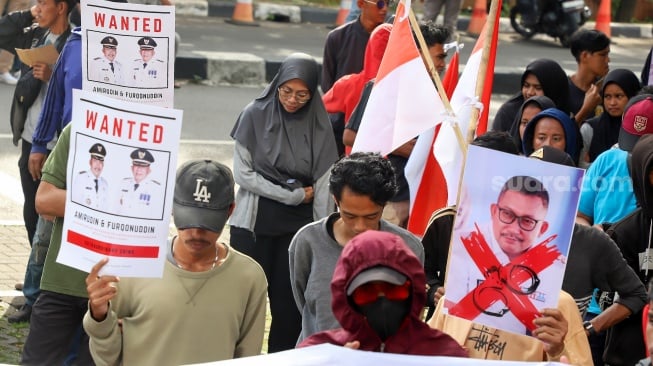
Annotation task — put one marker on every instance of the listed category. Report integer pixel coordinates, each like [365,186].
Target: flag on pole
[424,175]
[403,102]
[432,188]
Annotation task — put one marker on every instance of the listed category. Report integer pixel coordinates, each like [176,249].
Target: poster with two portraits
[511,238]
[124,141]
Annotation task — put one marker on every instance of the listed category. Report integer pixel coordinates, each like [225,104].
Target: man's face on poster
[109,53]
[96,166]
[140,172]
[147,54]
[518,219]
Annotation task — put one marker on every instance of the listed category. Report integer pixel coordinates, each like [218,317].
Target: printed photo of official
[140,195]
[148,71]
[106,68]
[90,188]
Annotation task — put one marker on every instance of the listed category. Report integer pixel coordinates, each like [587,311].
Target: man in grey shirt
[361,185]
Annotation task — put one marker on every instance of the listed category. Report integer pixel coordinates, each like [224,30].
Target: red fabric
[644,324]
[481,128]
[376,248]
[432,193]
[346,91]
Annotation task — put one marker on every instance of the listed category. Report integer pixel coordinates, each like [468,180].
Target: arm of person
[250,180]
[42,71]
[615,274]
[323,204]
[591,184]
[351,129]
[587,133]
[348,137]
[49,119]
[328,65]
[300,268]
[12,27]
[100,321]
[575,345]
[591,101]
[614,314]
[50,200]
[253,325]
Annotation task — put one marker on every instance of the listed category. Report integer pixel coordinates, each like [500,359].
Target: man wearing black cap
[148,72]
[212,291]
[140,196]
[106,68]
[89,187]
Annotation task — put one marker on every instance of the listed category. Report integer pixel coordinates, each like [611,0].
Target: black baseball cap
[204,191]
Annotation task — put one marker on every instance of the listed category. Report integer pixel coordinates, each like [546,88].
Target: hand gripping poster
[128,51]
[511,239]
[120,182]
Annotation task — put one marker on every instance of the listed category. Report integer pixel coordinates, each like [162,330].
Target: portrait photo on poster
[509,248]
[127,60]
[119,179]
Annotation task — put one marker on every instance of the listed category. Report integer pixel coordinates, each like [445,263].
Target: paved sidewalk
[14,251]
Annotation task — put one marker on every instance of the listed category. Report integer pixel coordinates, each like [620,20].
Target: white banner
[121,175]
[128,51]
[328,354]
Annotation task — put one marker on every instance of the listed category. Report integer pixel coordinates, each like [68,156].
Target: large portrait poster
[128,51]
[511,239]
[121,175]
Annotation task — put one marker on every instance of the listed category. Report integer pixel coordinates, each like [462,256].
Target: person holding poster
[212,290]
[89,187]
[63,300]
[378,296]
[140,196]
[147,71]
[106,68]
[282,157]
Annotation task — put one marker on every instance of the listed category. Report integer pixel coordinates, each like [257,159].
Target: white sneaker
[7,78]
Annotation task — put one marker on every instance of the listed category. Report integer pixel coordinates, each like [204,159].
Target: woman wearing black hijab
[601,132]
[531,107]
[284,149]
[541,77]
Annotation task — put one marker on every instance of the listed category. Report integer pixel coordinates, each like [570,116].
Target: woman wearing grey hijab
[284,149]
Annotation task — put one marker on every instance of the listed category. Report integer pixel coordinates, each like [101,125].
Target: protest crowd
[528,239]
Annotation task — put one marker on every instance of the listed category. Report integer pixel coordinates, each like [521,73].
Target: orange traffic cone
[478,18]
[345,5]
[603,17]
[243,14]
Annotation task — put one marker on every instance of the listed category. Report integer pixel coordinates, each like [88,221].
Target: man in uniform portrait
[139,195]
[147,71]
[106,68]
[89,187]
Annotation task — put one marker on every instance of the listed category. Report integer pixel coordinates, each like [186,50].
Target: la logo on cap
[201,191]
[640,123]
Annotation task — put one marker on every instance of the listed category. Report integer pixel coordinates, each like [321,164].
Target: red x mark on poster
[503,282]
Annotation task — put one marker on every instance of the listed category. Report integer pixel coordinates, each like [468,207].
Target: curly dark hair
[366,174]
[433,33]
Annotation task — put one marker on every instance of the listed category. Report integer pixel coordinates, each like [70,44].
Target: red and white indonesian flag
[403,102]
[423,172]
[434,185]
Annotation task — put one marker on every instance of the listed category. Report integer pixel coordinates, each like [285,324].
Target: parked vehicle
[556,18]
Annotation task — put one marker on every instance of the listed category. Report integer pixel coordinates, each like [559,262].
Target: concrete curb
[249,69]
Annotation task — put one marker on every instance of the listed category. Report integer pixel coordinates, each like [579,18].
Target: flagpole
[482,71]
[423,48]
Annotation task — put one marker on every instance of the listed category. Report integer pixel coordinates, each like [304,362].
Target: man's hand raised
[100,291]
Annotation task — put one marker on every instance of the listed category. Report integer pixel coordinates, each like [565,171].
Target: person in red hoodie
[378,295]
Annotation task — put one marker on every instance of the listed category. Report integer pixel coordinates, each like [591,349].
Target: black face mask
[385,316]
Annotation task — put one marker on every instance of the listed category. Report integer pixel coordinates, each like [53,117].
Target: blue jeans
[32,281]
